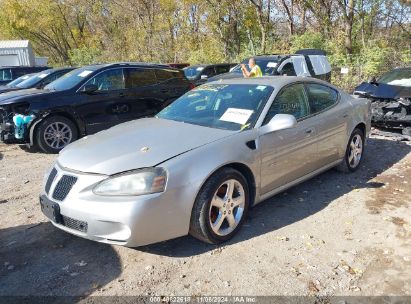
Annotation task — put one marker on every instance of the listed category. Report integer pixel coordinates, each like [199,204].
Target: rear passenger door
[332,121]
[144,97]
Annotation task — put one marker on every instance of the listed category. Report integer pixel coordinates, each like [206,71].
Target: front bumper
[129,221]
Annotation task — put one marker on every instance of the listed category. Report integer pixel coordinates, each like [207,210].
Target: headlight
[139,182]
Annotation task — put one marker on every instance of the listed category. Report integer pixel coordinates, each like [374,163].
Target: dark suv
[8,74]
[199,74]
[36,81]
[88,100]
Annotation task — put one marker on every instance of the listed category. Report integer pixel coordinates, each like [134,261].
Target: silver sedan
[203,161]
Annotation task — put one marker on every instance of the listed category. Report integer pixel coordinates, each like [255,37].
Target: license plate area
[51,210]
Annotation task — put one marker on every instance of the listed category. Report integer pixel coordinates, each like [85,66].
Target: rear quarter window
[321,97]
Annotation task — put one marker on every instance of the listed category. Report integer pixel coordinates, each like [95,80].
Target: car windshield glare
[400,77]
[33,81]
[223,106]
[70,80]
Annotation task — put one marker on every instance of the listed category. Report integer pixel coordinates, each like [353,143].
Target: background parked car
[390,97]
[37,81]
[308,62]
[88,100]
[8,74]
[199,74]
[12,84]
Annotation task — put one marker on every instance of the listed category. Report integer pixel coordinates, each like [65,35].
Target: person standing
[255,69]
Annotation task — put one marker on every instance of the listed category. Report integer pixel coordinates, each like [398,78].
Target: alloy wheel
[355,151]
[227,207]
[57,135]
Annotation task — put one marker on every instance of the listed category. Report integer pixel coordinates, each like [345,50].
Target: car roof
[132,64]
[275,81]
[207,65]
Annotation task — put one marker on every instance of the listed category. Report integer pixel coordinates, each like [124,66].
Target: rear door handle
[121,95]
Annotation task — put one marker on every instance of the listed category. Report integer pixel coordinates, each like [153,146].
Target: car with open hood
[87,100]
[390,97]
[204,160]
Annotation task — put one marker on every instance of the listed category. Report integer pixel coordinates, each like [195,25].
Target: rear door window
[139,77]
[321,97]
[109,80]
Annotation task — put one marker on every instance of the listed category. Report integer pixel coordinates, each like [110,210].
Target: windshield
[192,72]
[223,106]
[31,82]
[400,77]
[15,82]
[70,79]
[267,65]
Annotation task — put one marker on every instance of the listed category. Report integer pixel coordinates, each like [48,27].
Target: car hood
[137,144]
[10,97]
[381,90]
[5,89]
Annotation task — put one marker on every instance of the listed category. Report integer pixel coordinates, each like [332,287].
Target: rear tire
[220,207]
[354,152]
[54,133]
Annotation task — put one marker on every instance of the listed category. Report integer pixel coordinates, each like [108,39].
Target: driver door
[100,109]
[287,155]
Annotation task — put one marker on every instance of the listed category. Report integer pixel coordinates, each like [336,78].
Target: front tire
[54,133]
[354,152]
[220,207]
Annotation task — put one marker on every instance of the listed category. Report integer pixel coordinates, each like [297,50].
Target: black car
[37,81]
[307,62]
[8,74]
[199,74]
[87,100]
[390,97]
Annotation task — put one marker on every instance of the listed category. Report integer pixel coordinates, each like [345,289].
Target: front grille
[74,224]
[63,187]
[50,180]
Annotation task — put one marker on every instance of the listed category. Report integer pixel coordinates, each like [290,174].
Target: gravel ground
[336,234]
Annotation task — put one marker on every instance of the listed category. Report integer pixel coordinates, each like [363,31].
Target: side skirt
[297,181]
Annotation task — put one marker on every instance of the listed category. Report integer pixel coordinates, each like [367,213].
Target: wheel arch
[65,114]
[362,127]
[245,171]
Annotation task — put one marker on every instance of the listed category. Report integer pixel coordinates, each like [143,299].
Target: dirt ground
[337,234]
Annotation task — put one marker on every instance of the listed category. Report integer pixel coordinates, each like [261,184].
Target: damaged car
[203,161]
[85,101]
[390,97]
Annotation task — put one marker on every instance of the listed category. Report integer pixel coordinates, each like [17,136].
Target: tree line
[368,36]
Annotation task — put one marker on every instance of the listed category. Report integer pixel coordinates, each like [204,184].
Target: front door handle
[309,131]
[121,95]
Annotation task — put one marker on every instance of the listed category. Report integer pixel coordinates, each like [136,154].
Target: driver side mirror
[89,88]
[279,122]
